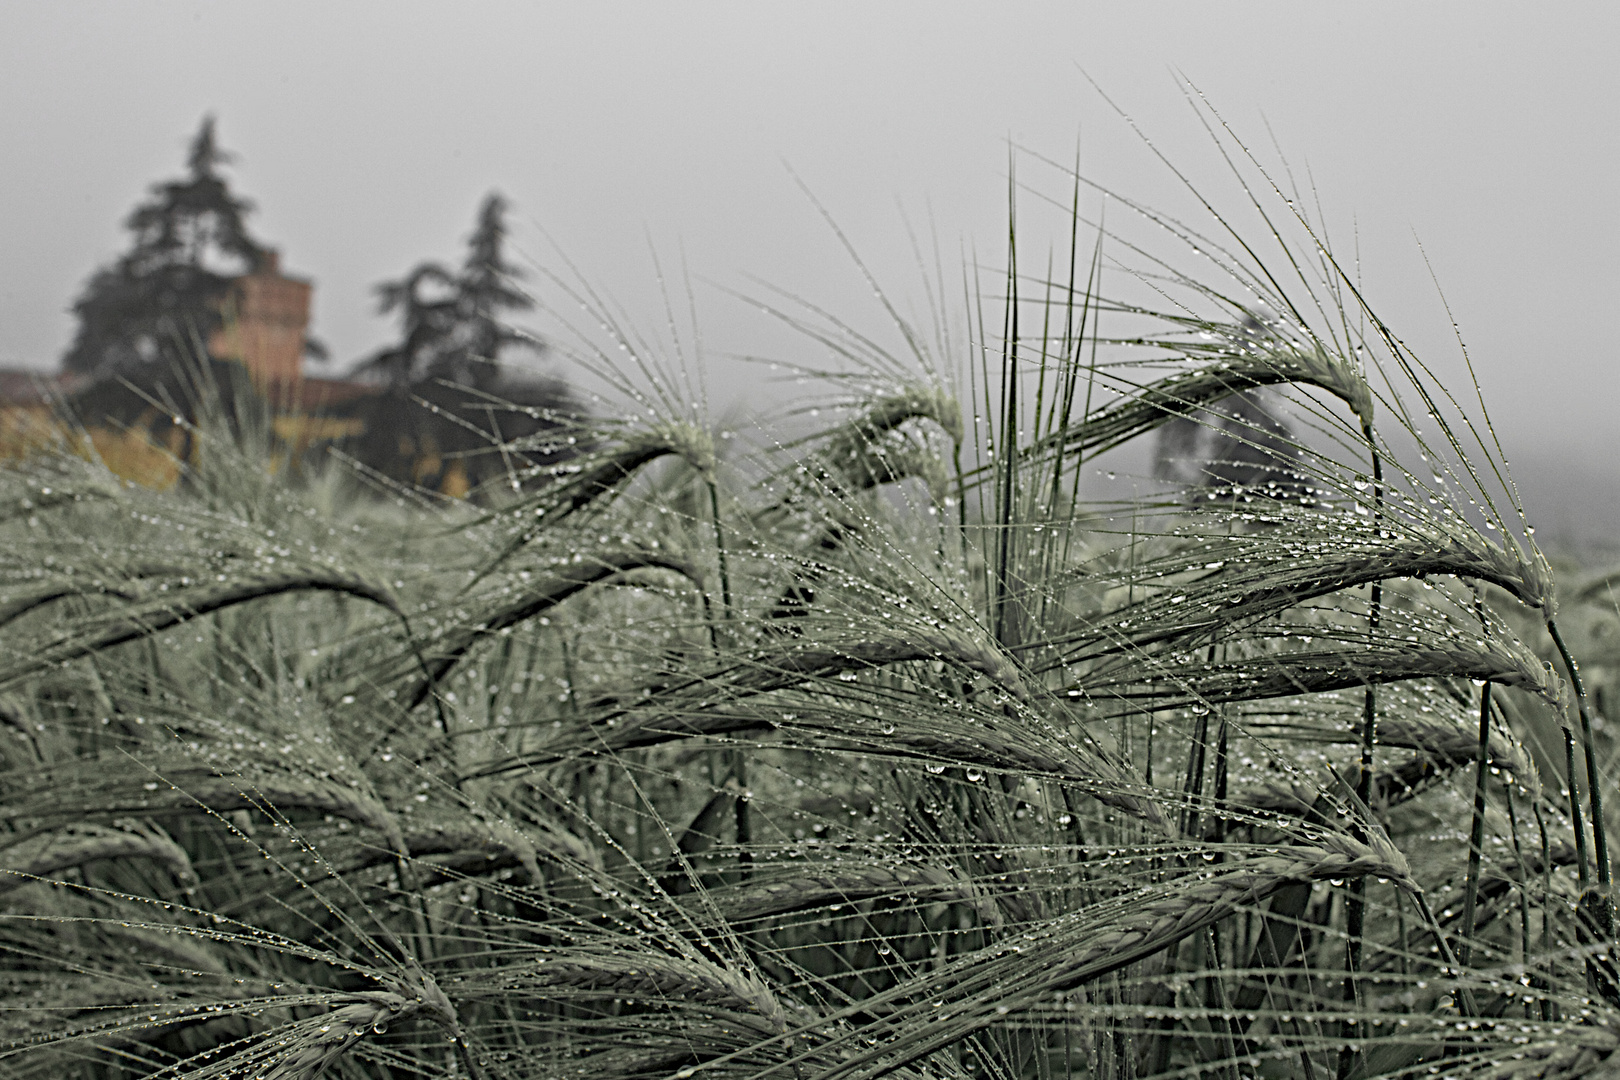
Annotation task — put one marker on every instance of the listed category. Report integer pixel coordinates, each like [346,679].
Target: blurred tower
[266,315]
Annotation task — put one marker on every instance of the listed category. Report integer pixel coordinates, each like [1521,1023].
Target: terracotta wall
[266,316]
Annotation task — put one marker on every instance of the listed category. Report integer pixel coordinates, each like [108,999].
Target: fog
[1473,145]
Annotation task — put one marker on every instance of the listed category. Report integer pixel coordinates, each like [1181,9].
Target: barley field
[867,741]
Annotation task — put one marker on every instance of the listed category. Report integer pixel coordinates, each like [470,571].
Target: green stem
[1147,768]
[1220,787]
[1465,996]
[744,821]
[1476,834]
[464,1053]
[1575,817]
[961,502]
[1546,1006]
[1355,908]
[1524,894]
[1193,787]
[738,762]
[1600,841]
[720,551]
[1007,447]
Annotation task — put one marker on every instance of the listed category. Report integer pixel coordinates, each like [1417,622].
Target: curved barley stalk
[40,856]
[861,454]
[684,981]
[1013,736]
[1215,584]
[765,671]
[1243,361]
[1172,684]
[16,606]
[1442,749]
[188,787]
[446,652]
[586,480]
[676,709]
[1562,1053]
[486,843]
[805,889]
[154,616]
[58,483]
[305,1049]
[983,987]
[141,1008]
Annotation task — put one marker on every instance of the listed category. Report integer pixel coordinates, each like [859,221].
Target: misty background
[1476,140]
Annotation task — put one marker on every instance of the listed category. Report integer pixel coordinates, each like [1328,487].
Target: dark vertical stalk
[1218,999]
[1220,786]
[462,1051]
[720,551]
[1147,768]
[1547,1007]
[1193,785]
[1575,818]
[1524,894]
[745,824]
[1092,285]
[1073,344]
[496,680]
[569,675]
[1008,443]
[1158,1036]
[961,502]
[1405,940]
[1600,831]
[738,763]
[1355,909]
[1307,1070]
[1464,996]
[981,417]
[1476,833]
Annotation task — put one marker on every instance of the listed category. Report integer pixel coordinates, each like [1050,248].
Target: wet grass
[888,748]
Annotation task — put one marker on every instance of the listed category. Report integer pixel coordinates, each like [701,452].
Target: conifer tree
[161,299]
[438,424]
[452,324]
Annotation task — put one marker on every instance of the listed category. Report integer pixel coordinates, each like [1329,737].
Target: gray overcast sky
[367,132]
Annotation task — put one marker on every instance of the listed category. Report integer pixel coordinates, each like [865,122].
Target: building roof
[25,386]
[311,395]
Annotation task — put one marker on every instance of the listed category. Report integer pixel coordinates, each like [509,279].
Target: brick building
[258,352]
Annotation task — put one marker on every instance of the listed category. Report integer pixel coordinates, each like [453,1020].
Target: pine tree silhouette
[160,300]
[452,325]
